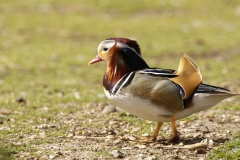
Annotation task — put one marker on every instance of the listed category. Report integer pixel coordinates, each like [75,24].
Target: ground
[104,135]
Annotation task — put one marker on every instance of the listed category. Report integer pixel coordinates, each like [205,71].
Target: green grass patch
[6,154]
[229,150]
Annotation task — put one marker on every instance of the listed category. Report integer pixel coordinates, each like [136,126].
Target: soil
[112,138]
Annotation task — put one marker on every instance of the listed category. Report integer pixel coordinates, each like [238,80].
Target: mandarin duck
[154,94]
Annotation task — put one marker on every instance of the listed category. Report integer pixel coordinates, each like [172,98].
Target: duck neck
[115,71]
[113,74]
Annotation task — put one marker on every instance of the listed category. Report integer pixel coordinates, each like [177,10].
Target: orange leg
[174,137]
[153,137]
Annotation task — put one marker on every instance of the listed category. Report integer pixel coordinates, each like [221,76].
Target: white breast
[142,108]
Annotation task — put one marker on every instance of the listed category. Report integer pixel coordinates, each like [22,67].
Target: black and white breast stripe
[123,82]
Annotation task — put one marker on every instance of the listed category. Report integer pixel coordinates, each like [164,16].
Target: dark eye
[105,49]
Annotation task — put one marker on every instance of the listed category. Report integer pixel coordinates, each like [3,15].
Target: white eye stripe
[105,44]
[109,43]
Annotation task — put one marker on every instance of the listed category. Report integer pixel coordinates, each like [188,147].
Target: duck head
[122,56]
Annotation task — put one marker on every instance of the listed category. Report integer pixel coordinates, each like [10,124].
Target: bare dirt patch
[93,135]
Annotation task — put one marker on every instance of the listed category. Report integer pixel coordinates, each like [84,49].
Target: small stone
[131,138]
[145,135]
[114,121]
[151,158]
[210,143]
[117,154]
[109,109]
[181,144]
[70,135]
[141,146]
[183,123]
[204,141]
[110,137]
[52,156]
[44,157]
